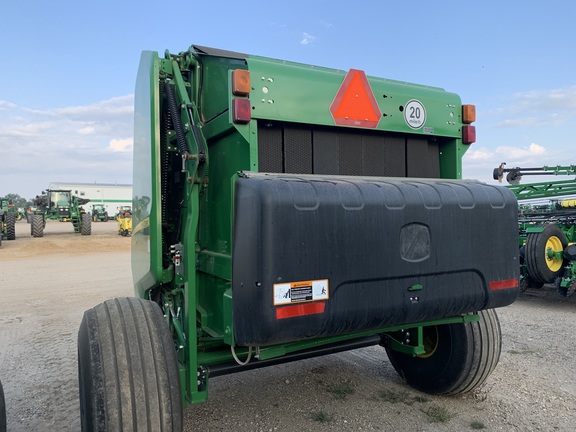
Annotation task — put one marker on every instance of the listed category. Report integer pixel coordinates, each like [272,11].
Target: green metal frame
[183,261]
[544,189]
[533,218]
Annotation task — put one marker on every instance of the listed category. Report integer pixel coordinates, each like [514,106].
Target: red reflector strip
[300,310]
[503,284]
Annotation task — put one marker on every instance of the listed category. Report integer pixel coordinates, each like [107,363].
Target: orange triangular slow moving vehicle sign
[354,104]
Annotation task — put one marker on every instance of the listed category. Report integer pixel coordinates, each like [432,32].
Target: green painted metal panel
[146,235]
[303,94]
[196,186]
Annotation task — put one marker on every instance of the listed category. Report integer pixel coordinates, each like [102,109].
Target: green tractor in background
[8,218]
[99,213]
[60,205]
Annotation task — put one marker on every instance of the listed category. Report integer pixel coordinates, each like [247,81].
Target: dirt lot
[47,283]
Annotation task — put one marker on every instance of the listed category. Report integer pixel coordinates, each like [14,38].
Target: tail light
[468,116]
[241,110]
[240,82]
[468,134]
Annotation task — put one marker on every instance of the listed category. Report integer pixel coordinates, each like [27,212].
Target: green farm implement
[547,230]
[284,211]
[59,205]
[99,213]
[8,217]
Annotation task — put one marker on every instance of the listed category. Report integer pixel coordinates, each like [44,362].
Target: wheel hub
[553,246]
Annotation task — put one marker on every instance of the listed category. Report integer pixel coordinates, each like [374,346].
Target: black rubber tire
[2,410]
[37,225]
[464,356]
[535,254]
[127,369]
[105,217]
[11,226]
[85,224]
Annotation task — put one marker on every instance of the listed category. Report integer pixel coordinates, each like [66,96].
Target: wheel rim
[430,341]
[553,244]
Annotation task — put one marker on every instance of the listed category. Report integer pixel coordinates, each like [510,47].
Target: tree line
[18,201]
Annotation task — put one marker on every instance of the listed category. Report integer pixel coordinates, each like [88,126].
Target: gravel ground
[47,283]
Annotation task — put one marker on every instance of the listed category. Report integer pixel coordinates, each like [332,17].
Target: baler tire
[11,226]
[539,267]
[2,410]
[127,369]
[462,358]
[37,225]
[85,224]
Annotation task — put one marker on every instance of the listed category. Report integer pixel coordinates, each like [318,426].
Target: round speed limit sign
[414,114]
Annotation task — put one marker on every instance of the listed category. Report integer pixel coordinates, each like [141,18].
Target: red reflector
[355,104]
[503,284]
[300,310]
[468,134]
[241,110]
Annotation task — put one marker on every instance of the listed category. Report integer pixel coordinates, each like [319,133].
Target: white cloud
[480,163]
[546,100]
[532,153]
[278,25]
[479,155]
[121,145]
[307,39]
[536,108]
[87,130]
[4,105]
[90,143]
[521,153]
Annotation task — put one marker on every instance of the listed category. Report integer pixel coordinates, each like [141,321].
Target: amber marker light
[240,82]
[468,114]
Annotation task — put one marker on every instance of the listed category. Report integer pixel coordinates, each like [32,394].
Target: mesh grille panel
[305,149]
[298,149]
[270,148]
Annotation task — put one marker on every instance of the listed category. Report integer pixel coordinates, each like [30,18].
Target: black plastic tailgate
[318,256]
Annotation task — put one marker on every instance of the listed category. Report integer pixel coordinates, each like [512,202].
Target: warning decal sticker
[298,292]
[414,114]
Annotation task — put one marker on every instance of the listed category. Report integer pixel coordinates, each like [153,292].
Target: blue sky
[68,71]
